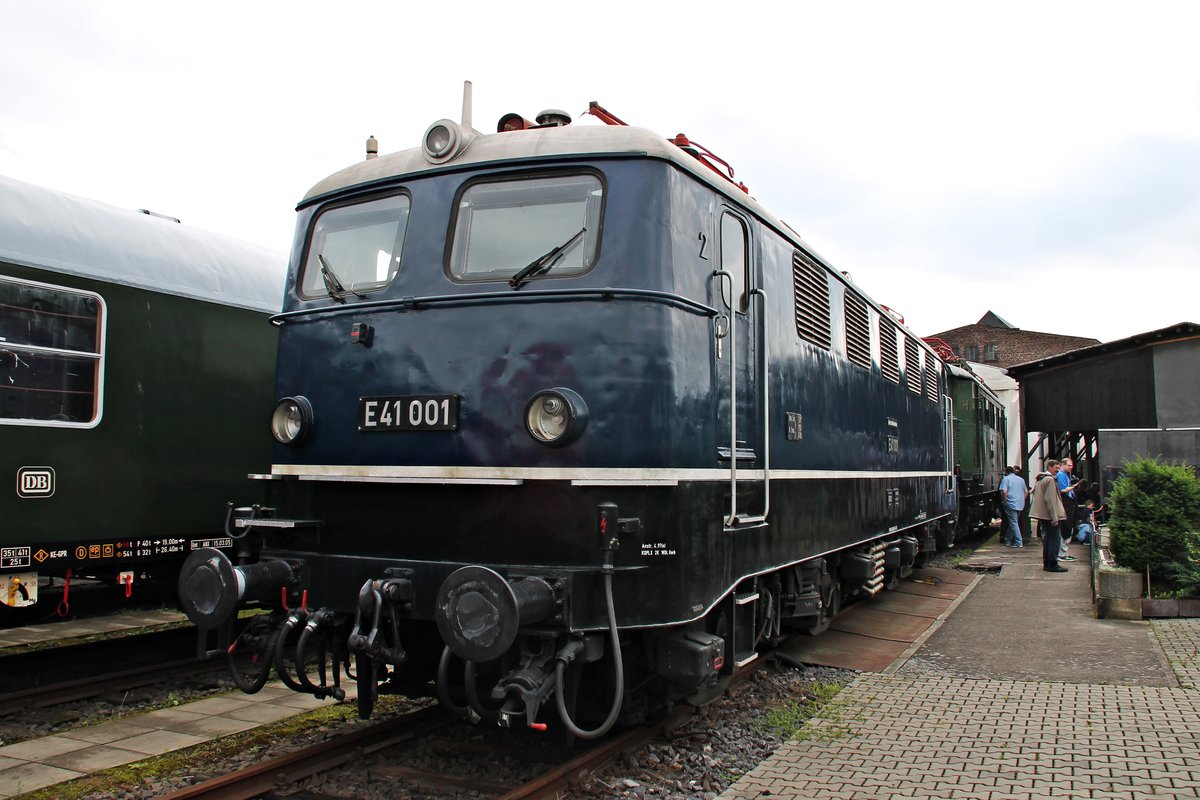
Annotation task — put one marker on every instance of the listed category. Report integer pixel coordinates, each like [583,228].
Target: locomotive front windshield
[355,248]
[548,224]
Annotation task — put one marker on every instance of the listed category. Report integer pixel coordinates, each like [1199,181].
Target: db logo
[35,482]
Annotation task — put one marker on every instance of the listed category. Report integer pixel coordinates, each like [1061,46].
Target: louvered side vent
[933,373]
[858,330]
[811,288]
[889,356]
[912,365]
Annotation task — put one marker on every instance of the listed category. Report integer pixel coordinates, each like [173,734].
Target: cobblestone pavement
[1021,694]
[904,736]
[1180,641]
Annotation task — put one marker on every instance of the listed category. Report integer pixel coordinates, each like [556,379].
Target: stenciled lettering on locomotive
[15,557]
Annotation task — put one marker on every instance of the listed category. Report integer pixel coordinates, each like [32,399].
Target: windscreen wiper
[544,262]
[332,285]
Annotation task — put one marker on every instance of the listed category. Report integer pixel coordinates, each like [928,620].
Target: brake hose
[443,687]
[322,690]
[294,619]
[473,693]
[618,669]
[264,668]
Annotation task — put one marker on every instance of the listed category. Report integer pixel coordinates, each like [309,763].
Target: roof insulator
[553,117]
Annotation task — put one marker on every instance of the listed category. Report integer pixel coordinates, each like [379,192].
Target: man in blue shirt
[1066,487]
[1013,492]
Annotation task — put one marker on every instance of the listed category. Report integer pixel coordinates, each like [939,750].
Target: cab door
[741,370]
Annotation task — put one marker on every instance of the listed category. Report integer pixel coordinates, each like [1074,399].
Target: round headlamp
[443,140]
[556,417]
[291,420]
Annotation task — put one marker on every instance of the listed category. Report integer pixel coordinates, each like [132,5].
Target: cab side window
[734,260]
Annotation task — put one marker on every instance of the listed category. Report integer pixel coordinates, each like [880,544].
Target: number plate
[426,412]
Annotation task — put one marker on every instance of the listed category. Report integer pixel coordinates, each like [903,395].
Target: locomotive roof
[971,375]
[584,141]
[47,229]
[593,141]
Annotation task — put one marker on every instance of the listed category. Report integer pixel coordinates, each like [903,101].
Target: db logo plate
[35,482]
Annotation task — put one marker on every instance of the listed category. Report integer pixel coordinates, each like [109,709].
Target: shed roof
[1172,333]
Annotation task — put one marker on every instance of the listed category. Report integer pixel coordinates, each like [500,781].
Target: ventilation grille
[933,372]
[811,288]
[912,365]
[889,356]
[858,330]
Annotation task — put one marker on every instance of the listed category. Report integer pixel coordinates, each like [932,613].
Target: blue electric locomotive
[568,418]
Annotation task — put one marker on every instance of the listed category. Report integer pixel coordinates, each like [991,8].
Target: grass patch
[789,720]
[959,556]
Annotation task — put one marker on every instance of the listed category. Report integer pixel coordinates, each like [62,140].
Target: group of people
[1054,505]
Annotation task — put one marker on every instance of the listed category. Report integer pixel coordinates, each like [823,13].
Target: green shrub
[1185,575]
[1155,514]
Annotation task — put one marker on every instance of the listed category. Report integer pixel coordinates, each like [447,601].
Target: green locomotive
[980,447]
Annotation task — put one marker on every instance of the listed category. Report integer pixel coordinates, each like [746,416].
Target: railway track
[53,675]
[564,766]
[300,765]
[52,694]
[309,761]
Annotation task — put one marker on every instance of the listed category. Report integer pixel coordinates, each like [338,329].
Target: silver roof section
[971,375]
[538,143]
[50,230]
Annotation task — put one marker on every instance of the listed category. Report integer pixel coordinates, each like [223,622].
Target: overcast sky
[1041,160]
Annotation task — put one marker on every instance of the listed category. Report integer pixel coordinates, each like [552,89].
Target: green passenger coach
[135,357]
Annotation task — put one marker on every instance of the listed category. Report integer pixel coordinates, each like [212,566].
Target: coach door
[742,370]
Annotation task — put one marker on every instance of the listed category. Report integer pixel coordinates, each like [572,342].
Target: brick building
[997,343]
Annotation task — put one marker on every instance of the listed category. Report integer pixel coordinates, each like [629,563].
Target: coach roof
[51,230]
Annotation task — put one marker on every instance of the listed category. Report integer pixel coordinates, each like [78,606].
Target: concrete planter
[1119,595]
[1122,585]
[1118,608]
[1160,607]
[1189,606]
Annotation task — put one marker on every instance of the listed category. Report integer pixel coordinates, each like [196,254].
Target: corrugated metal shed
[1151,380]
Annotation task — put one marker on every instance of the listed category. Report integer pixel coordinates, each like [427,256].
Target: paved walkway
[89,626]
[38,763]
[1020,694]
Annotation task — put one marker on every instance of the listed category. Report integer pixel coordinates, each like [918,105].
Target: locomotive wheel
[832,592]
[892,579]
[365,676]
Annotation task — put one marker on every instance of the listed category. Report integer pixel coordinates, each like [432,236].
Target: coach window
[51,355]
[355,248]
[525,229]
[734,259]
